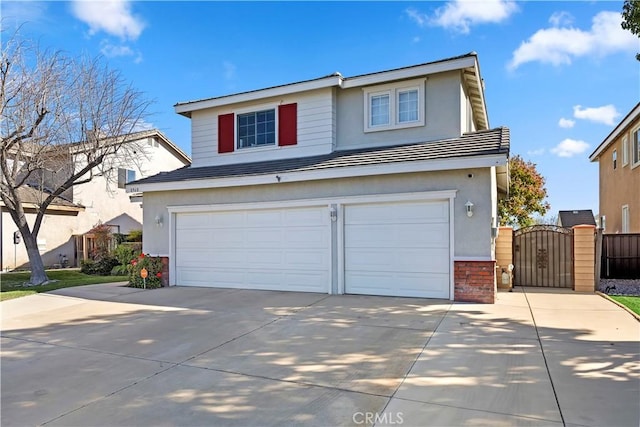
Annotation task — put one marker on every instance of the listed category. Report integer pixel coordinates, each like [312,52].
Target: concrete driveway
[114,356]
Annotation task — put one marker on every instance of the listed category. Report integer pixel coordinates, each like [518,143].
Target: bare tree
[64,121]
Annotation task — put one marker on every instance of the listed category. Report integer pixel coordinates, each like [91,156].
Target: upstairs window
[125,176]
[263,127]
[380,110]
[394,106]
[635,147]
[408,106]
[625,150]
[256,129]
[615,159]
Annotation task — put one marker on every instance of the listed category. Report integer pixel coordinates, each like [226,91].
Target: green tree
[527,195]
[631,18]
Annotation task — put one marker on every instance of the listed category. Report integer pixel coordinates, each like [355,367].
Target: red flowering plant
[153,265]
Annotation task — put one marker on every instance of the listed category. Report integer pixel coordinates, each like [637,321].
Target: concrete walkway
[114,356]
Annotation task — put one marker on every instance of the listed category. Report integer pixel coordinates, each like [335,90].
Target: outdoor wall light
[158,221]
[333,213]
[469,207]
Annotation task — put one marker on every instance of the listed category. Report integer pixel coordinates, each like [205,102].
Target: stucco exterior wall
[55,239]
[472,237]
[103,201]
[443,114]
[620,186]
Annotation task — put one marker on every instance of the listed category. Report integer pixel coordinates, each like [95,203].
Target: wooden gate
[543,256]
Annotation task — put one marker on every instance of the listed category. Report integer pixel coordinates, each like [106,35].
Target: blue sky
[559,74]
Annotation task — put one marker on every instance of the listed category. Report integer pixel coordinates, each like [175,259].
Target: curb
[605,296]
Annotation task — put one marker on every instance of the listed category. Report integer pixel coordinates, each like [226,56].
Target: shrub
[120,270]
[124,253]
[102,267]
[135,236]
[153,265]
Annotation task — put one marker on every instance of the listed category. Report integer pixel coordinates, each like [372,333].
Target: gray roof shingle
[482,143]
[577,217]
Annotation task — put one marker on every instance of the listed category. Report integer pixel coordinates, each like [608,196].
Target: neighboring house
[618,157]
[382,184]
[577,217]
[62,236]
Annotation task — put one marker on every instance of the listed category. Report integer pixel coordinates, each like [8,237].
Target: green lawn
[633,303]
[11,284]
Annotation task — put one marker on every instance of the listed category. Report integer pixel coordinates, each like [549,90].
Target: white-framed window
[256,128]
[125,176]
[394,106]
[635,147]
[615,159]
[625,150]
[625,219]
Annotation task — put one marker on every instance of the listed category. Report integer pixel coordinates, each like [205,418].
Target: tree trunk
[38,275]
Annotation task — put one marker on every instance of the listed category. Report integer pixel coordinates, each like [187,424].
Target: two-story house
[63,235]
[381,184]
[618,158]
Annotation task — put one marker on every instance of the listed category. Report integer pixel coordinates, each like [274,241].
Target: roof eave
[491,160]
[630,117]
[186,108]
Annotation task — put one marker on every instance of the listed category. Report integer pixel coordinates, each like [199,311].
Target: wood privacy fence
[620,256]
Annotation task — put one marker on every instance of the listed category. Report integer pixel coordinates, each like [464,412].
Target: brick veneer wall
[165,271]
[474,281]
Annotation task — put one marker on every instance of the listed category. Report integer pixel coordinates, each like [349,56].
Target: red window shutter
[288,124]
[226,138]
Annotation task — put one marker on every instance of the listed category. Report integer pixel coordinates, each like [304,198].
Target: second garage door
[271,249]
[399,249]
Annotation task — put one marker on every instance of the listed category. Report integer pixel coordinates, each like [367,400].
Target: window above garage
[258,127]
[394,106]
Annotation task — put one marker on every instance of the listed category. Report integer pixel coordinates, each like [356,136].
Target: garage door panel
[380,260]
[387,214]
[306,259]
[305,217]
[306,237]
[399,249]
[262,238]
[255,249]
[194,238]
[406,284]
[400,235]
[190,220]
[260,218]
[226,238]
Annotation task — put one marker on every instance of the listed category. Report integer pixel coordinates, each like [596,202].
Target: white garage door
[272,249]
[399,249]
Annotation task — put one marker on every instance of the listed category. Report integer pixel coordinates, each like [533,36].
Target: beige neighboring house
[63,235]
[619,159]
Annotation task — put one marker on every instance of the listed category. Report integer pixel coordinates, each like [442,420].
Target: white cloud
[536,152]
[607,114]
[570,148]
[113,51]
[229,70]
[114,17]
[561,19]
[419,18]
[460,15]
[560,45]
[416,39]
[566,123]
